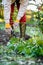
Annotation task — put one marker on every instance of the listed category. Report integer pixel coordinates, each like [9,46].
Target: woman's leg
[22,22]
[12,11]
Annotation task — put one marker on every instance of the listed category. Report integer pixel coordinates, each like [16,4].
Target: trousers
[23,19]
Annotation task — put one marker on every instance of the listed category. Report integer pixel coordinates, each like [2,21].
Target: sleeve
[22,9]
[7,9]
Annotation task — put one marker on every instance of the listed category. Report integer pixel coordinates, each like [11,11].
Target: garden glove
[8,28]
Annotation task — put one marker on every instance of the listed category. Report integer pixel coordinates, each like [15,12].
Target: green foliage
[41,21]
[32,47]
[2,25]
[0,0]
[38,18]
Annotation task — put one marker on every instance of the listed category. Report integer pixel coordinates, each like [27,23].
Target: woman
[21,18]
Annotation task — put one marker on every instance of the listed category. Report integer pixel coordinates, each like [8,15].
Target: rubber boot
[23,31]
